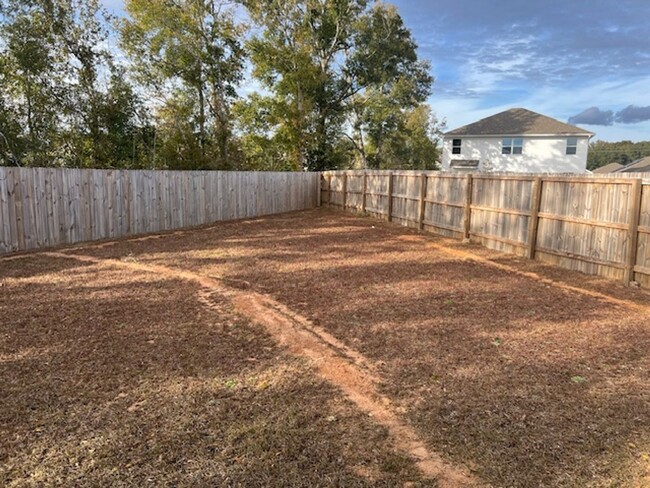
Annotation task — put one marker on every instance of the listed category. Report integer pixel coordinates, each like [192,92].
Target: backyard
[317,348]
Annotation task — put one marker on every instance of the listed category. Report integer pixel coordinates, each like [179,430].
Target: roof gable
[639,166]
[609,168]
[518,121]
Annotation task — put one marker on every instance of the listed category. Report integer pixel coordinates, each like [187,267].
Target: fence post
[15,190]
[345,188]
[636,189]
[329,189]
[535,202]
[468,207]
[423,193]
[390,196]
[321,178]
[363,195]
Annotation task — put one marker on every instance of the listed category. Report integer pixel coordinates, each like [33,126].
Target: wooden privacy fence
[592,224]
[42,207]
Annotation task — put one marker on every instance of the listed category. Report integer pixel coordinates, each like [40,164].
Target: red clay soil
[527,375]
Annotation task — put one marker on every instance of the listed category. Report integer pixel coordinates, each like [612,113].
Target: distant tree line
[602,153]
[187,84]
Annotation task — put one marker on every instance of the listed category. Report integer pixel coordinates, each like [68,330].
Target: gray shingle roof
[609,168]
[639,166]
[518,121]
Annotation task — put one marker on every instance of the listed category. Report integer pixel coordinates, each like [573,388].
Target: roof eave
[557,134]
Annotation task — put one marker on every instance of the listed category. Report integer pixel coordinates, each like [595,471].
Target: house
[608,168]
[639,166]
[517,140]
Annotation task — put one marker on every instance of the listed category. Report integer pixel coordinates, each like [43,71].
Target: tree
[263,147]
[392,83]
[415,144]
[126,138]
[191,49]
[56,108]
[342,85]
[31,73]
[11,140]
[332,66]
[602,153]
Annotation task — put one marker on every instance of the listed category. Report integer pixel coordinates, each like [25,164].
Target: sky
[586,62]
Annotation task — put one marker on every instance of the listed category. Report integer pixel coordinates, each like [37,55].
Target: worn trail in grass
[111,376]
[335,362]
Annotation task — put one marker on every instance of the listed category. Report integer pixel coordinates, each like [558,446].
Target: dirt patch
[355,383]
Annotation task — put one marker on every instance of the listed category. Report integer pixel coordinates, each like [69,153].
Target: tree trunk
[30,121]
[201,119]
[300,149]
[362,149]
[222,118]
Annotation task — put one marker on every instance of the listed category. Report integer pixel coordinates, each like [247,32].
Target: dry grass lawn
[113,376]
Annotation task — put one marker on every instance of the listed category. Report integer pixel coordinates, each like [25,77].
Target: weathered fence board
[594,224]
[500,212]
[642,267]
[42,207]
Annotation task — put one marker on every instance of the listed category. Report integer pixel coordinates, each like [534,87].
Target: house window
[572,145]
[455,146]
[512,145]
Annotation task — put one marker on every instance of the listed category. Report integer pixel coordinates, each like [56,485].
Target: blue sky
[584,61]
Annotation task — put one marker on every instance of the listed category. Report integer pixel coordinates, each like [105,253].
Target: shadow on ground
[526,383]
[109,377]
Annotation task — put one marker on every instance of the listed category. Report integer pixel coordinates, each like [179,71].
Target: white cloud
[558,103]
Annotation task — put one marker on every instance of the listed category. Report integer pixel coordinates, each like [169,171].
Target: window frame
[571,149]
[456,148]
[509,146]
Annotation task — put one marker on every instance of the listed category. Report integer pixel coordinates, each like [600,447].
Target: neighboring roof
[639,166]
[518,121]
[608,168]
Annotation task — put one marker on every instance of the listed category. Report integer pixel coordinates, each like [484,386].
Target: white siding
[541,154]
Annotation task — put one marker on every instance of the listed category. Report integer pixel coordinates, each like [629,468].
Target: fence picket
[41,207]
[597,225]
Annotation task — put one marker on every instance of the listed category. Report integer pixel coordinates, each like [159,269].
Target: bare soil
[505,371]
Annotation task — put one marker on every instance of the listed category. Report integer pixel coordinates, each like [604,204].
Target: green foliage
[56,109]
[262,147]
[12,142]
[180,144]
[337,69]
[602,153]
[341,86]
[32,75]
[189,49]
[400,139]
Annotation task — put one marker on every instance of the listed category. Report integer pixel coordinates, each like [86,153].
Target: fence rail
[596,224]
[43,207]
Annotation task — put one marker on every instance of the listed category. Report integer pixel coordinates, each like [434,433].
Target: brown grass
[110,377]
[526,382]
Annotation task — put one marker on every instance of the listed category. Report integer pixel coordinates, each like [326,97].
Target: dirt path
[342,366]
